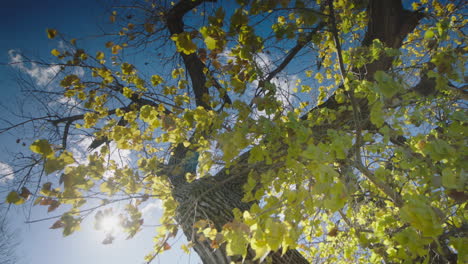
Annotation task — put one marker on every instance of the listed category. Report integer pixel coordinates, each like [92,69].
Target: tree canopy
[272,131]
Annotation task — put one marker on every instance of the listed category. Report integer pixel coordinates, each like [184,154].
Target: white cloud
[42,75]
[283,83]
[264,62]
[121,156]
[6,172]
[70,103]
[78,71]
[80,151]
[151,207]
[67,100]
[78,146]
[284,91]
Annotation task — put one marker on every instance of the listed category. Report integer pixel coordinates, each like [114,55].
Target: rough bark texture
[214,198]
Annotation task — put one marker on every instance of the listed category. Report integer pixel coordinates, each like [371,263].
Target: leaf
[116,49]
[386,85]
[149,27]
[156,80]
[71,224]
[41,146]
[53,205]
[421,216]
[57,224]
[25,193]
[46,188]
[127,92]
[333,232]
[108,240]
[55,52]
[261,249]
[109,44]
[52,165]
[127,68]
[69,80]
[452,179]
[45,201]
[459,243]
[67,157]
[184,43]
[166,246]
[100,55]
[106,187]
[210,43]
[51,33]
[237,244]
[14,198]
[429,34]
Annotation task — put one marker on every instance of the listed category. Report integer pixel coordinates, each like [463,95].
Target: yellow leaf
[127,92]
[116,49]
[51,33]
[55,52]
[100,55]
[156,80]
[149,28]
[127,68]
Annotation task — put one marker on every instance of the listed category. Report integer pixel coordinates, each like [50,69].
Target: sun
[110,223]
[107,221]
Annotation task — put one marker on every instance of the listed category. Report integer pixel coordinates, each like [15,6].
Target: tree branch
[195,67]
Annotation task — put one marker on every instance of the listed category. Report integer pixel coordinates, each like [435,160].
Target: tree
[284,131]
[8,241]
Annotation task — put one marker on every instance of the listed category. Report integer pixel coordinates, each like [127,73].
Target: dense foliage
[333,129]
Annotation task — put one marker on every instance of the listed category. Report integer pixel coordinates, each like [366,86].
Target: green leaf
[52,165]
[67,157]
[42,146]
[429,34]
[453,179]
[421,216]
[14,198]
[237,244]
[459,243]
[184,43]
[386,85]
[274,232]
[107,187]
[238,85]
[210,43]
[439,149]
[70,224]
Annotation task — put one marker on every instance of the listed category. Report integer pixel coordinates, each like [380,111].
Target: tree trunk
[213,199]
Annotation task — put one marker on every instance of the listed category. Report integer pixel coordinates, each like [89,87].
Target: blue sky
[23,26]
